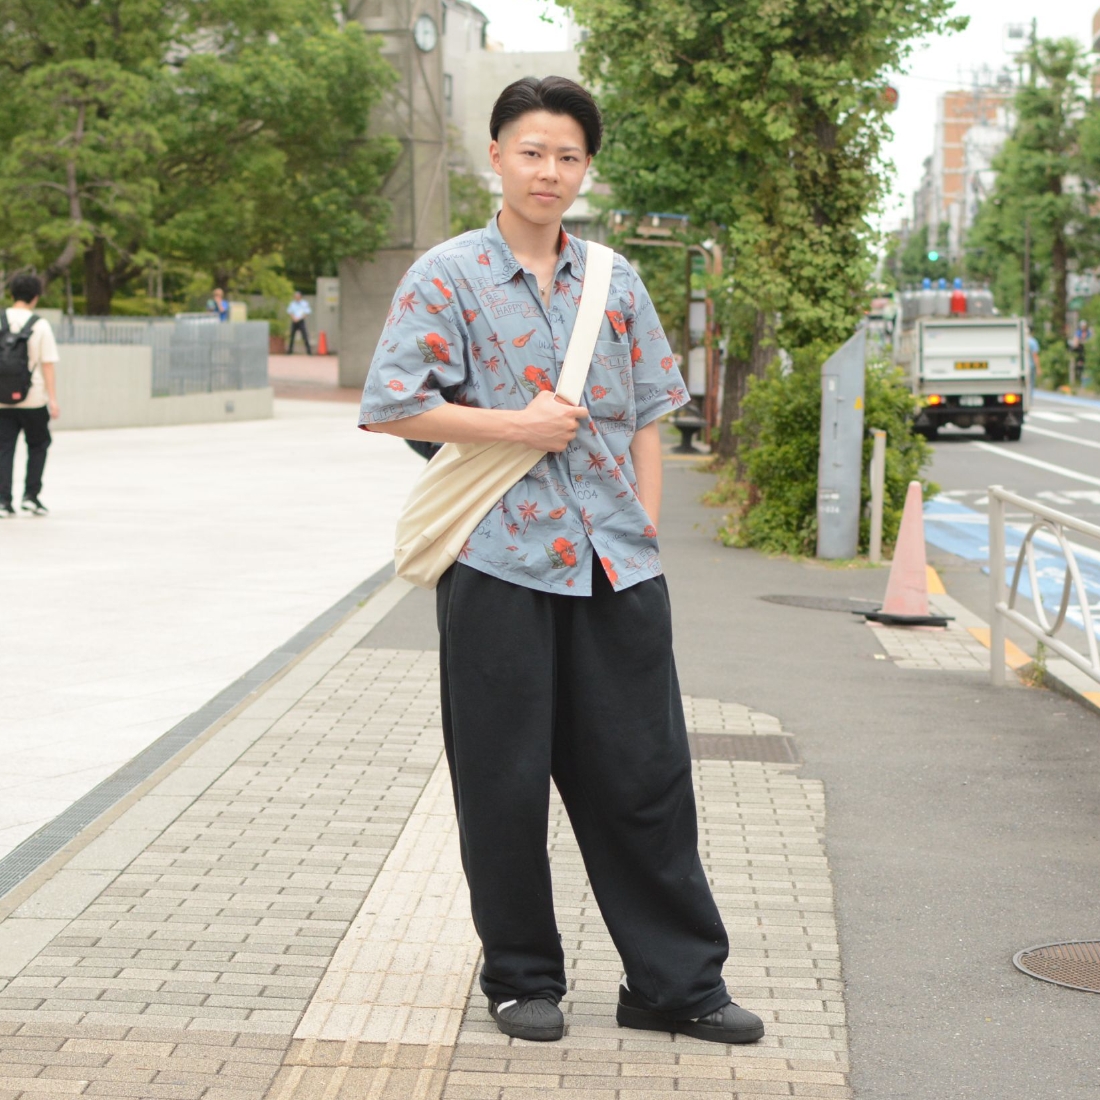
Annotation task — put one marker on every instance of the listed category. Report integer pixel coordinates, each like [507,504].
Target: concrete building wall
[110,386]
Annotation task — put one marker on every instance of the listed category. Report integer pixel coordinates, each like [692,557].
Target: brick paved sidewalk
[283,915]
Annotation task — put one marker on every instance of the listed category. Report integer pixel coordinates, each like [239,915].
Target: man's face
[541,160]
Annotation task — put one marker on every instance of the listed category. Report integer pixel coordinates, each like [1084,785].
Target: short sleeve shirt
[468,325]
[41,348]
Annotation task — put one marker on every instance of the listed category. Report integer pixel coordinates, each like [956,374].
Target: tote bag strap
[586,328]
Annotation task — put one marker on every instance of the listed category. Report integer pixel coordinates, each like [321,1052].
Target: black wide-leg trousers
[582,690]
[35,425]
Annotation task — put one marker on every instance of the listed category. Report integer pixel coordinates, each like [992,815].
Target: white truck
[966,366]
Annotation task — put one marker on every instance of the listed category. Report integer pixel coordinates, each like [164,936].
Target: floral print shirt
[467,325]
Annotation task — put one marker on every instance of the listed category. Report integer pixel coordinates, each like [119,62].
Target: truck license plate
[975,364]
[971,401]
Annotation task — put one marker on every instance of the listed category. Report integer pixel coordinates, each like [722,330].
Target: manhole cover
[765,748]
[1075,964]
[847,604]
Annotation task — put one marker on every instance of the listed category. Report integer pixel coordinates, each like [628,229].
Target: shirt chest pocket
[610,383]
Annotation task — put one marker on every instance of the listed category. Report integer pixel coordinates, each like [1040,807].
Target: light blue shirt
[468,326]
[298,309]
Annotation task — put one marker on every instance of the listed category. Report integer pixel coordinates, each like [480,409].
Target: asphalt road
[1057,461]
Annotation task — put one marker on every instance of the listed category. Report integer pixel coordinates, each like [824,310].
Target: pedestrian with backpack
[28,392]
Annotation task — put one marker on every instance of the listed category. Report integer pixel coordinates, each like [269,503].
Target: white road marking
[1053,417]
[1090,416]
[1062,435]
[1004,452]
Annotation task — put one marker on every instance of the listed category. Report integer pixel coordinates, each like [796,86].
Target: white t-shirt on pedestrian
[41,348]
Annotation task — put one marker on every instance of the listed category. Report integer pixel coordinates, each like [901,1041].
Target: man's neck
[534,243]
[22,305]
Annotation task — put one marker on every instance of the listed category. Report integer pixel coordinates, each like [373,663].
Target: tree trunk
[98,285]
[1059,265]
[736,380]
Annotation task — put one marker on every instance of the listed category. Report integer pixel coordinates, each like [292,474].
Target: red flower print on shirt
[598,392]
[535,379]
[434,348]
[528,511]
[635,354]
[650,531]
[557,513]
[483,259]
[609,569]
[469,314]
[562,554]
[396,385]
[446,291]
[408,303]
[620,459]
[667,363]
[617,322]
[521,341]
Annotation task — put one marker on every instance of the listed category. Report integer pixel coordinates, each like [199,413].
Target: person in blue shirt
[556,658]
[298,310]
[1033,359]
[217,304]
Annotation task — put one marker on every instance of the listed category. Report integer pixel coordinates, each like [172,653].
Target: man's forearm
[645,454]
[49,377]
[453,424]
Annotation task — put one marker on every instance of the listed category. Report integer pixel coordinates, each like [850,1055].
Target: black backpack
[15,360]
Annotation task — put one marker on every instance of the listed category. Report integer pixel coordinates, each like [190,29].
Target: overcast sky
[936,66]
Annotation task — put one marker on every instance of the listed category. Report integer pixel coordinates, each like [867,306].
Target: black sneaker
[533,1018]
[35,506]
[728,1024]
[6,510]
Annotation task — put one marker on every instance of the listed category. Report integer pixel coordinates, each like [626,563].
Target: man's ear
[494,157]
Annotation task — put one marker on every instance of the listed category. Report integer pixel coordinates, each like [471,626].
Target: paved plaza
[276,910]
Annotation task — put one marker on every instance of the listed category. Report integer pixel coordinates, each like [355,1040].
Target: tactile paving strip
[1074,964]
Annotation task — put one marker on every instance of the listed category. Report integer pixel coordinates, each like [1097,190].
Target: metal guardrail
[190,355]
[1003,598]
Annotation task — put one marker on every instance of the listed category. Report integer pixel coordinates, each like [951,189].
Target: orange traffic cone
[906,602]
[322,343]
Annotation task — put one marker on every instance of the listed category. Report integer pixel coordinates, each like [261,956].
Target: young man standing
[555,633]
[32,414]
[298,309]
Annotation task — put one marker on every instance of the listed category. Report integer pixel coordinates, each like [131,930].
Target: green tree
[187,133]
[764,122]
[470,201]
[1042,200]
[914,263]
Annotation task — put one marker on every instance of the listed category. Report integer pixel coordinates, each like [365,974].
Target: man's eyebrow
[542,145]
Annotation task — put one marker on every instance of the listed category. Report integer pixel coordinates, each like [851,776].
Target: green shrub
[1054,363]
[775,505]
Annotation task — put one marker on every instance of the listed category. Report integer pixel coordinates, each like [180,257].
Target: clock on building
[425,33]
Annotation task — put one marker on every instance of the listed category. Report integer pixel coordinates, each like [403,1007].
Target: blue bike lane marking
[964,532]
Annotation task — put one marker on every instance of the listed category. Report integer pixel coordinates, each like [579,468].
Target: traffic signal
[933,255]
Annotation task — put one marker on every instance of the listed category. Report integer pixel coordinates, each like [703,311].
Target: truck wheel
[995,431]
[930,432]
[1013,434]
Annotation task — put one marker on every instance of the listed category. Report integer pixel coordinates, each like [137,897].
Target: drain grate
[764,748]
[848,604]
[1074,964]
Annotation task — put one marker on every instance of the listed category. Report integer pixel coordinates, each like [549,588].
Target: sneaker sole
[643,1020]
[531,1034]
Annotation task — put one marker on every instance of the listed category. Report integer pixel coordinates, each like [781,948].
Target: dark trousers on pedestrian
[295,328]
[582,690]
[35,426]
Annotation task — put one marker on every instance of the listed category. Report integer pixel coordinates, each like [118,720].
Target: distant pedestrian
[299,310]
[217,304]
[1033,359]
[28,392]
[556,656]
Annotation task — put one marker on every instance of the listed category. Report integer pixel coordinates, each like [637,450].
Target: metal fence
[190,355]
[1050,526]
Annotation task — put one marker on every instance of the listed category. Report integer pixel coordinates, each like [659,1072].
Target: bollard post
[996,587]
[878,492]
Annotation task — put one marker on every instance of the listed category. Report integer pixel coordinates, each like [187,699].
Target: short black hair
[25,288]
[557,94]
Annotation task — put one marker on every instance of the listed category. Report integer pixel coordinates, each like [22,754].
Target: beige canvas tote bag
[464,481]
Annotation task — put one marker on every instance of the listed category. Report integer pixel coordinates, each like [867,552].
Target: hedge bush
[775,502]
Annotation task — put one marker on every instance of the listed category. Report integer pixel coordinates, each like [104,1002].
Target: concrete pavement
[278,911]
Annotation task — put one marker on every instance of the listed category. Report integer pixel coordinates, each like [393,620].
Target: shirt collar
[503,265]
